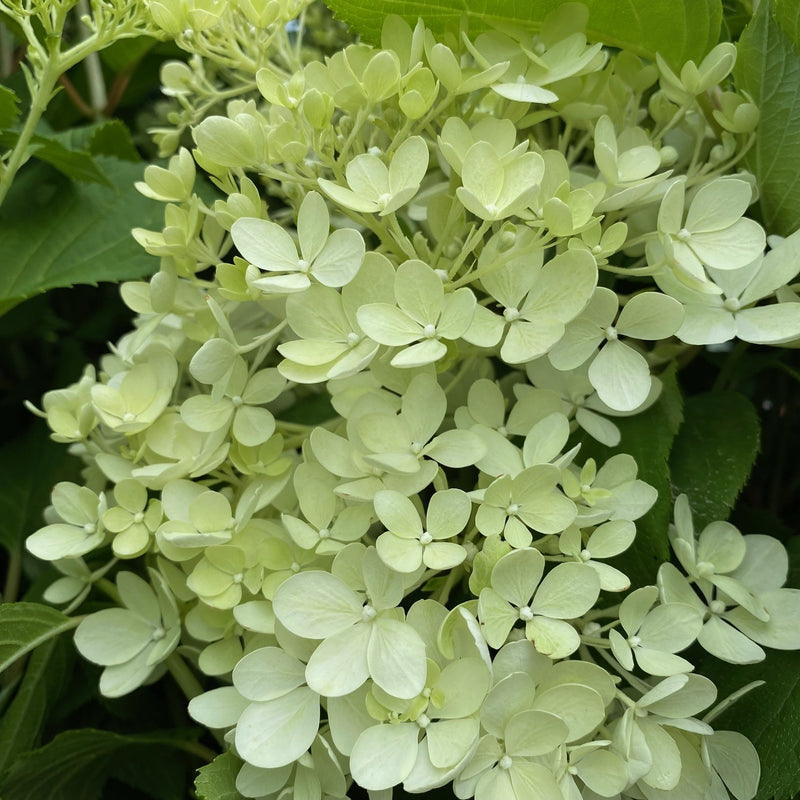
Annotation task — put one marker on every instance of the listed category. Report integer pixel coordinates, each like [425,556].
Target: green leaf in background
[110,137]
[76,164]
[769,716]
[76,765]
[57,233]
[768,68]
[9,108]
[678,29]
[124,54]
[30,465]
[46,675]
[24,626]
[714,453]
[217,780]
[787,15]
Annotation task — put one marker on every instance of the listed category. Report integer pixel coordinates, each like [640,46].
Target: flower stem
[183,676]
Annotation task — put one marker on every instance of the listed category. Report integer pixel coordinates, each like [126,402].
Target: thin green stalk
[98,95]
[184,677]
[47,83]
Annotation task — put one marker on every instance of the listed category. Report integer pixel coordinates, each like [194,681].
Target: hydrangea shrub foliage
[367,464]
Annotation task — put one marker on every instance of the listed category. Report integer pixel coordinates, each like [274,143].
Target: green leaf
[714,453]
[217,780]
[768,68]
[76,164]
[9,110]
[769,716]
[31,465]
[76,764]
[46,675]
[678,29]
[787,15]
[124,54]
[57,233]
[24,626]
[107,138]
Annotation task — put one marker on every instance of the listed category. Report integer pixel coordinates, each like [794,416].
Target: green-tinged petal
[552,637]
[517,574]
[680,696]
[340,259]
[384,755]
[736,760]
[408,165]
[765,566]
[769,324]
[61,541]
[398,515]
[530,779]
[276,732]
[508,697]
[465,683]
[120,679]
[267,673]
[721,545]
[782,630]
[265,244]
[456,448]
[705,324]
[578,344]
[425,352]
[450,740]
[218,708]
[670,627]
[313,225]
[112,636]
[387,324]
[252,425]
[316,604]
[657,662]
[202,413]
[731,248]
[482,175]
[666,770]
[443,555]
[448,513]
[348,198]
[367,176]
[603,772]
[138,596]
[419,292]
[567,591]
[725,642]
[650,315]
[621,376]
[611,538]
[457,312]
[528,340]
[497,617]
[348,717]
[534,733]
[402,555]
[339,665]
[621,649]
[580,707]
[396,658]
[718,204]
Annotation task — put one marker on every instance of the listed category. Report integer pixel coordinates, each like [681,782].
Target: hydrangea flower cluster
[336,464]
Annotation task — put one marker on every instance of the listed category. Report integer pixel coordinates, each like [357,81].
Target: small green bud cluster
[413,589]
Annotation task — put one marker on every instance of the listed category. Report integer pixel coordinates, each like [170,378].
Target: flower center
[526,614]
[138,517]
[89,527]
[505,762]
[324,533]
[429,331]
[158,634]
[585,555]
[512,509]
[426,538]
[238,577]
[716,607]
[611,333]
[684,235]
[368,613]
[511,314]
[634,641]
[303,265]
[237,400]
[731,304]
[416,448]
[705,569]
[353,339]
